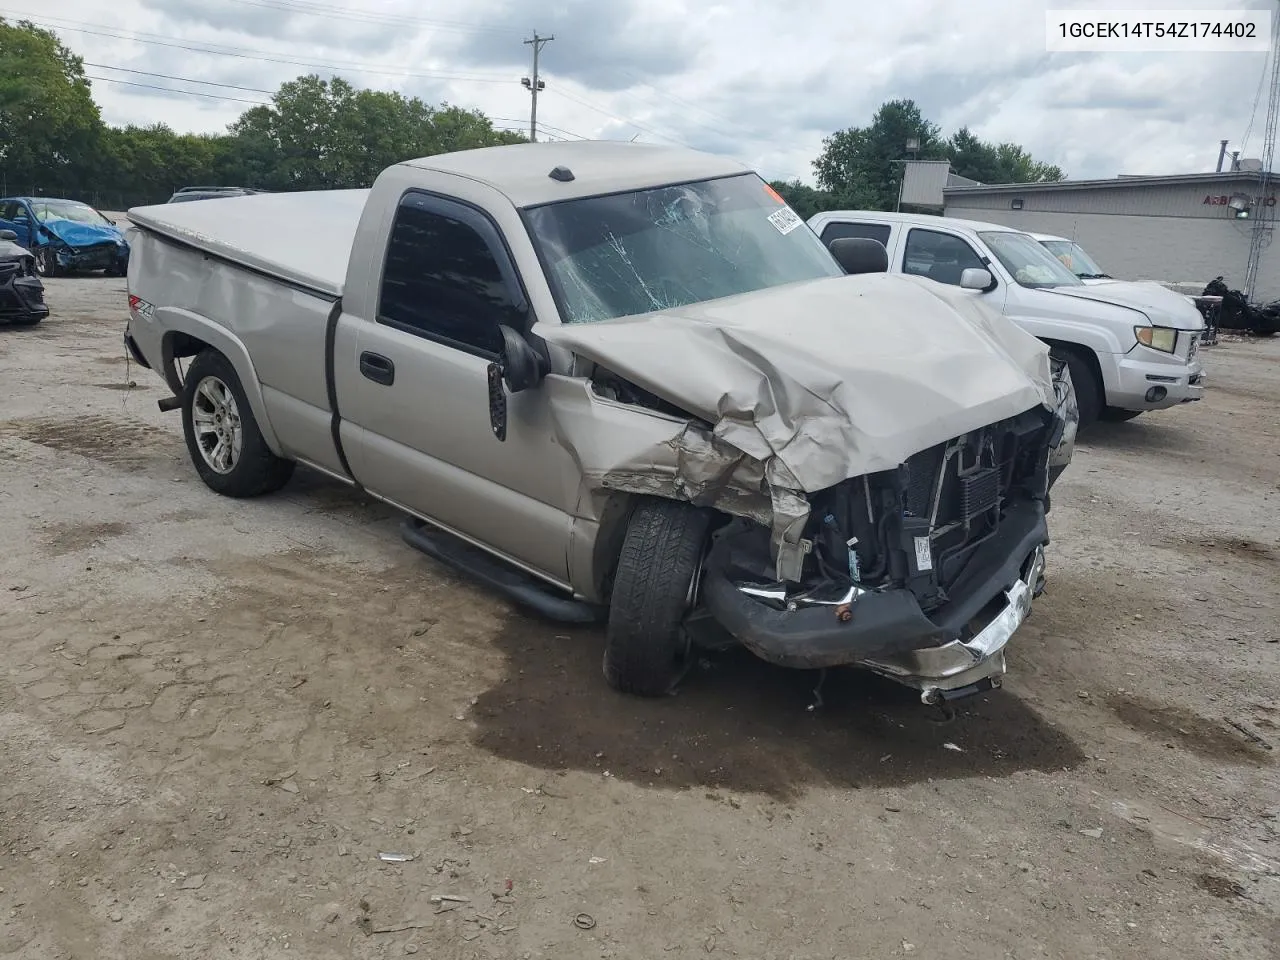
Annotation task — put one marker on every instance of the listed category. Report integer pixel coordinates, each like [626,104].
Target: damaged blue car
[65,236]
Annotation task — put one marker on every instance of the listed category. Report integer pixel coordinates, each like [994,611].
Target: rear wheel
[1085,379]
[223,438]
[647,648]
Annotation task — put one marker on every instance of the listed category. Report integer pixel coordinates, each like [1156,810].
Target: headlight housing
[1164,339]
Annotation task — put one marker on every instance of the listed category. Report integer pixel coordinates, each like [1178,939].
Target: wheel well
[175,346]
[1087,355]
[613,530]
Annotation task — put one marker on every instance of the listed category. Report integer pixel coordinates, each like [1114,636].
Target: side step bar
[514,584]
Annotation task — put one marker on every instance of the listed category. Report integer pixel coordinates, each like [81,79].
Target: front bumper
[958,645]
[22,299]
[101,256]
[1143,384]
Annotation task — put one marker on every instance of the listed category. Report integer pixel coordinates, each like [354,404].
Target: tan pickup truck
[625,383]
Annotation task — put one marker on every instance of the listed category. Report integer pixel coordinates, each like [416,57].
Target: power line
[1257,98]
[543,125]
[269,56]
[680,101]
[185,93]
[614,116]
[330,12]
[498,123]
[165,76]
[560,132]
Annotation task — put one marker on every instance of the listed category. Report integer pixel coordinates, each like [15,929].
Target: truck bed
[303,238]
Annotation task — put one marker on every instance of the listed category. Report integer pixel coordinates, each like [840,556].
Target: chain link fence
[119,200]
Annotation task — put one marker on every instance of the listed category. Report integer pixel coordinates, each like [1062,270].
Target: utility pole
[1264,224]
[534,85]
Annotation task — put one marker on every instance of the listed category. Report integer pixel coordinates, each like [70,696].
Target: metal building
[1181,230]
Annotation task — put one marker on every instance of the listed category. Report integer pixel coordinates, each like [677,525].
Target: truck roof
[919,219]
[522,171]
[305,237]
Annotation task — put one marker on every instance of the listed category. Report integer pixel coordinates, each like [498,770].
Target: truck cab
[1130,349]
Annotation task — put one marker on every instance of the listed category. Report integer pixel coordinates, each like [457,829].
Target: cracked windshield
[634,253]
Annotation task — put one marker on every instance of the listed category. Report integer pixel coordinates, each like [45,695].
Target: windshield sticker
[785,220]
[768,188]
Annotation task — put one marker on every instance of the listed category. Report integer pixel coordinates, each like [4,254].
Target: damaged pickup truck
[622,382]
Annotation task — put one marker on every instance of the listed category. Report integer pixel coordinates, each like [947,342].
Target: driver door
[416,385]
[943,256]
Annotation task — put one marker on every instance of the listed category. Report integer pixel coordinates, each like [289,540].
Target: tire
[646,647]
[1085,379]
[212,391]
[47,262]
[1116,415]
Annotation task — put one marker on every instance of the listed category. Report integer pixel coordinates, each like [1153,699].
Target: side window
[442,280]
[13,211]
[865,231]
[938,256]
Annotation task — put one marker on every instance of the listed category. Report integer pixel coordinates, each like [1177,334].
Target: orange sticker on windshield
[773,193]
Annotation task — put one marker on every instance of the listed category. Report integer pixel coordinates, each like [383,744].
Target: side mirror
[860,255]
[976,278]
[517,369]
[8,235]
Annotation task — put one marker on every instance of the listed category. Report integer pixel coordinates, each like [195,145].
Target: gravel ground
[217,714]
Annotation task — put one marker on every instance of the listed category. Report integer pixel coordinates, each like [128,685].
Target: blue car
[66,236]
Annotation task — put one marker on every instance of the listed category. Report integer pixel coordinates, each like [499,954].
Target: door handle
[378,368]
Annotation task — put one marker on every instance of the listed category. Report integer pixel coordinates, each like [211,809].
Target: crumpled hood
[828,379]
[76,234]
[1164,307]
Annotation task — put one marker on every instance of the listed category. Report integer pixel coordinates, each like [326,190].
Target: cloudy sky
[762,81]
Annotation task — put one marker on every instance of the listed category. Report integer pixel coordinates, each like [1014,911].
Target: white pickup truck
[1132,347]
[622,382]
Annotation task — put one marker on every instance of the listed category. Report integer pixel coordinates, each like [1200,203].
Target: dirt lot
[217,714]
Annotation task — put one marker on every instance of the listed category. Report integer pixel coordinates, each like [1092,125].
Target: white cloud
[760,80]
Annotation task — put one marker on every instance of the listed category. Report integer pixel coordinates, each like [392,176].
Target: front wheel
[46,262]
[1087,383]
[223,438]
[647,648]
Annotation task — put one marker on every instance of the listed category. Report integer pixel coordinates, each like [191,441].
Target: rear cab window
[840,230]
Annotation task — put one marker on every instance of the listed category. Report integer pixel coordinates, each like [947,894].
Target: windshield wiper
[1094,276]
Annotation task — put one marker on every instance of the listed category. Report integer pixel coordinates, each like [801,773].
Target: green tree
[995,163]
[802,198]
[325,134]
[49,124]
[857,164]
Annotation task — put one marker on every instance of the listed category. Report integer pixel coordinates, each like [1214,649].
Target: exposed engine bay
[915,527]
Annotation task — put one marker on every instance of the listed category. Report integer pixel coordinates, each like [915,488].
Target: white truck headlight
[1157,338]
